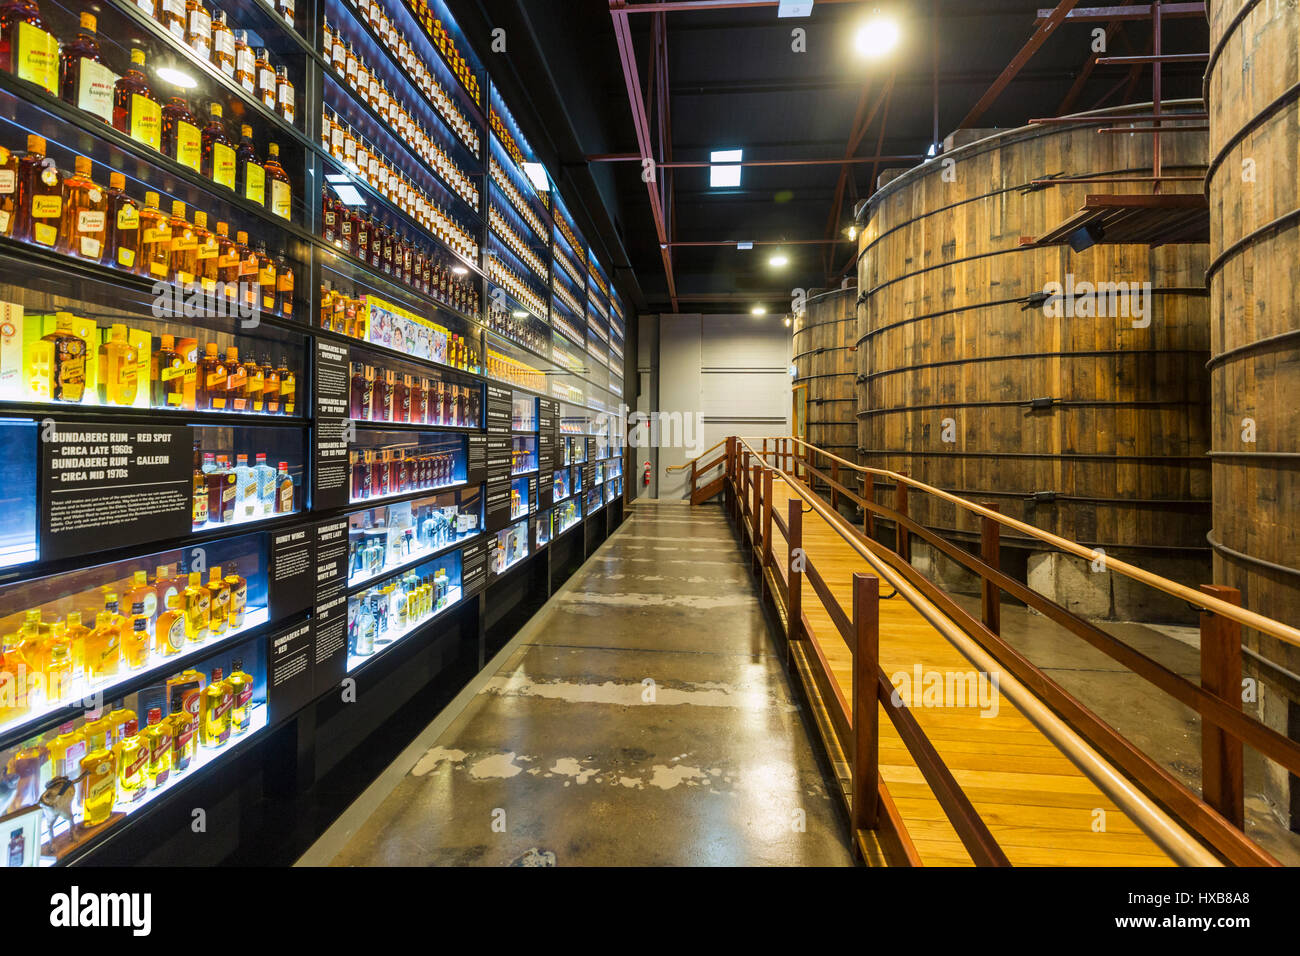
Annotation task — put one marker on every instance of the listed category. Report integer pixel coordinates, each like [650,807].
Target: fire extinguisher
[645,475]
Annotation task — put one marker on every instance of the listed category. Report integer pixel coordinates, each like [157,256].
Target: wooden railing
[702,493]
[1164,807]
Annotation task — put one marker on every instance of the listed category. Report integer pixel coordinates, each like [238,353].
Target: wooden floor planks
[1038,805]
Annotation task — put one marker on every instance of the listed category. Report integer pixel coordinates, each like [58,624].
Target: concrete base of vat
[942,570]
[1091,591]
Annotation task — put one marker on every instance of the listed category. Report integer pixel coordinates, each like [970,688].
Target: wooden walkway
[1040,808]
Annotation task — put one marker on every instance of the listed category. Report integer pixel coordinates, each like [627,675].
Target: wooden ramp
[1038,805]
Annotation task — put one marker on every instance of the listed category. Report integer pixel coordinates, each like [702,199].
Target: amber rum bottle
[82,231]
[40,196]
[27,49]
[281,198]
[284,285]
[245,63]
[212,386]
[136,111]
[205,266]
[8,191]
[85,82]
[218,152]
[171,14]
[288,387]
[182,140]
[265,90]
[198,28]
[122,228]
[250,176]
[155,240]
[223,44]
[185,247]
[167,375]
[214,722]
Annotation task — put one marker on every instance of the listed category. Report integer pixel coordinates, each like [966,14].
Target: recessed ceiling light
[758,310]
[787,321]
[744,246]
[779,260]
[537,173]
[877,37]
[176,77]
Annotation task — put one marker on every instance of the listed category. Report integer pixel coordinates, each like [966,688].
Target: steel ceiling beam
[701,164]
[632,80]
[1126,12]
[861,125]
[704,6]
[1046,27]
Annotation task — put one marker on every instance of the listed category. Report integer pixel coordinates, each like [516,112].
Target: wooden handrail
[1244,617]
[1151,818]
[687,464]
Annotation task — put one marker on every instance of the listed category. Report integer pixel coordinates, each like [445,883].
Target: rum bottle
[27,49]
[284,490]
[218,601]
[132,759]
[155,240]
[281,192]
[40,196]
[218,156]
[198,28]
[170,629]
[284,285]
[98,782]
[136,110]
[214,721]
[245,63]
[136,640]
[103,647]
[185,248]
[82,230]
[212,389]
[122,227]
[241,689]
[8,191]
[238,587]
[265,90]
[236,382]
[182,727]
[172,16]
[270,386]
[207,252]
[250,176]
[118,369]
[182,140]
[197,599]
[223,44]
[284,95]
[288,387]
[84,80]
[157,740]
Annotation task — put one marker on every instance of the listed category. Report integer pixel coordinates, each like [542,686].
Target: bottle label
[255,183]
[201,25]
[223,165]
[8,181]
[126,257]
[285,94]
[146,121]
[281,202]
[95,92]
[266,79]
[189,145]
[158,234]
[47,207]
[245,64]
[36,57]
[224,41]
[90,222]
[91,248]
[44,234]
[128,218]
[208,249]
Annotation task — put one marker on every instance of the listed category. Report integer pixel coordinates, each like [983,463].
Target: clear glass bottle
[223,44]
[82,231]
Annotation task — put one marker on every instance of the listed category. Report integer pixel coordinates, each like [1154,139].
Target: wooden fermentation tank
[1094,428]
[825,361]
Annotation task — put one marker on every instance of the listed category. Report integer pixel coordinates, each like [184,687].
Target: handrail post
[1222,776]
[866,712]
[868,495]
[794,566]
[767,528]
[692,481]
[729,484]
[991,594]
[764,452]
[902,541]
[755,513]
[835,480]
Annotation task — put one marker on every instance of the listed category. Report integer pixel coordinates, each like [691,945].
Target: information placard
[476,460]
[291,583]
[109,486]
[473,568]
[289,682]
[330,611]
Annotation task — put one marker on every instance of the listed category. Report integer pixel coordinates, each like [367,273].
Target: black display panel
[113,486]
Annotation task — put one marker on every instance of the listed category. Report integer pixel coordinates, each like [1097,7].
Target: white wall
[733,370]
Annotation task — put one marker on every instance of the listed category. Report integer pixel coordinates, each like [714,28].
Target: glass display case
[523,455]
[510,547]
[541,524]
[389,464]
[18,444]
[567,514]
[244,474]
[97,768]
[562,484]
[74,637]
[382,614]
[523,413]
[388,390]
[385,539]
[520,500]
[595,500]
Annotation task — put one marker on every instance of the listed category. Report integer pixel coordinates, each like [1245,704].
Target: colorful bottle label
[36,57]
[255,184]
[189,145]
[223,165]
[95,89]
[146,121]
[281,201]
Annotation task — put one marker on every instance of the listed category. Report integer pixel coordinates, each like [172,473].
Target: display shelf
[381,57]
[503,181]
[385,613]
[428,12]
[339,267]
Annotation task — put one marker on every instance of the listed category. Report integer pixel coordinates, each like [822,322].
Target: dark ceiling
[734,81]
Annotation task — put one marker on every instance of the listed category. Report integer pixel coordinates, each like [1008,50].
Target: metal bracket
[1042,497]
[1036,403]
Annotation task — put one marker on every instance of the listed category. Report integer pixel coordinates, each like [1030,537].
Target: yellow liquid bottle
[157,739]
[238,586]
[119,378]
[241,690]
[181,727]
[136,642]
[171,628]
[132,762]
[214,721]
[198,603]
[103,647]
[77,633]
[219,602]
[99,782]
[118,718]
[56,665]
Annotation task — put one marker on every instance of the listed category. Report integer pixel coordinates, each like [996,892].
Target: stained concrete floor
[644,719]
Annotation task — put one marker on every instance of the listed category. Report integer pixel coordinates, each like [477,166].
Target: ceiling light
[795,8]
[787,321]
[852,233]
[520,314]
[537,173]
[725,177]
[758,310]
[877,37]
[349,195]
[744,246]
[779,260]
[176,77]
[459,270]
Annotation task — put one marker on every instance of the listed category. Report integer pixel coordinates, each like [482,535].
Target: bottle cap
[88,22]
[200,219]
[35,144]
[241,237]
[246,130]
[140,577]
[195,579]
[237,664]
[216,110]
[137,56]
[82,165]
[232,353]
[273,149]
[216,568]
[223,230]
[155,715]
[178,209]
[216,675]
[210,349]
[131,728]
[116,181]
[151,200]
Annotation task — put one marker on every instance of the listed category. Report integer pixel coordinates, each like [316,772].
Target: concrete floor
[643,719]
